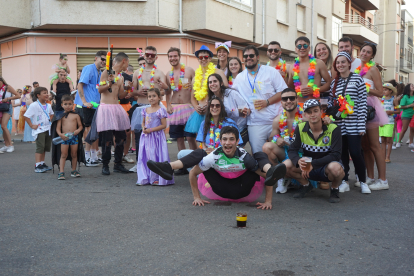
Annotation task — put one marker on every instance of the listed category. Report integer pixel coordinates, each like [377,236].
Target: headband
[225,45]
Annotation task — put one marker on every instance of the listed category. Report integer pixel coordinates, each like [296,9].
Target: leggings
[107,141]
[351,145]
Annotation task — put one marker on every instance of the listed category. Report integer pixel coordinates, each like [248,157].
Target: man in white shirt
[261,87]
[346,44]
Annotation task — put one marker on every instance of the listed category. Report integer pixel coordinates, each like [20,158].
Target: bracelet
[267,102]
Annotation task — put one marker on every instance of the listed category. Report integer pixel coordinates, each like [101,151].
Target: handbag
[370,112]
[4,107]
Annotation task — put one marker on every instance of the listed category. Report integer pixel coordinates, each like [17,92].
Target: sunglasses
[291,98]
[250,56]
[273,50]
[150,55]
[305,46]
[203,57]
[215,105]
[103,59]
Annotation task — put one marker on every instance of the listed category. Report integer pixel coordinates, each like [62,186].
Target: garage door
[87,56]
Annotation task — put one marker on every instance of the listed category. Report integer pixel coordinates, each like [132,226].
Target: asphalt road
[106,225]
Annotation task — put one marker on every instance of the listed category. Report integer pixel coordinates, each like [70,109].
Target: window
[336,29]
[241,4]
[300,17]
[398,8]
[321,27]
[282,10]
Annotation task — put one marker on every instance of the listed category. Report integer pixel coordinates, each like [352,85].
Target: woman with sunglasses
[223,52]
[17,104]
[347,84]
[233,69]
[7,94]
[323,52]
[370,142]
[62,66]
[235,105]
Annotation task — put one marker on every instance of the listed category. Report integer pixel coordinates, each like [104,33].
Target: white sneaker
[411,146]
[128,159]
[364,188]
[10,149]
[357,183]
[394,147]
[281,188]
[344,187]
[369,181]
[398,145]
[133,169]
[3,149]
[379,185]
[408,141]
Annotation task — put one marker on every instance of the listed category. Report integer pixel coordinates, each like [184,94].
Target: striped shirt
[354,123]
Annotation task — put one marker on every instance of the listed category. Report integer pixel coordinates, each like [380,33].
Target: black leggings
[107,141]
[351,145]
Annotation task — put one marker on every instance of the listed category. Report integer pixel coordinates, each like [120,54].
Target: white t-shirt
[355,64]
[38,116]
[267,82]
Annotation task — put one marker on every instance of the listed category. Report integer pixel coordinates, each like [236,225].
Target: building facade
[406,48]
[35,34]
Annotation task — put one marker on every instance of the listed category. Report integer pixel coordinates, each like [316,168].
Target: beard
[251,66]
[291,109]
[275,58]
[147,62]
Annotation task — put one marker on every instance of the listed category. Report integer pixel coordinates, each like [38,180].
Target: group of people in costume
[303,121]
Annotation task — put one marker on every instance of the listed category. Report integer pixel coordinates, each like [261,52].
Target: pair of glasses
[148,55]
[215,105]
[273,50]
[103,59]
[250,56]
[305,46]
[291,98]
[203,57]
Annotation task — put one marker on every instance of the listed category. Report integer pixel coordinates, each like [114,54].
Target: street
[106,225]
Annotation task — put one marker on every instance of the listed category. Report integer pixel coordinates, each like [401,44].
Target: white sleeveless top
[355,64]
[370,82]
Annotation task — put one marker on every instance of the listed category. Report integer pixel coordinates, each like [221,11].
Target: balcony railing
[357,19]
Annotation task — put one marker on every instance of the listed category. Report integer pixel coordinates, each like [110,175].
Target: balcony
[368,4]
[406,66]
[360,29]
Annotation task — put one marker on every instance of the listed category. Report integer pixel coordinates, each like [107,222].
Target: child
[40,113]
[387,130]
[153,144]
[59,67]
[69,123]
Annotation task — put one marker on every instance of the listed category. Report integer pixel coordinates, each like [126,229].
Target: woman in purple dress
[153,144]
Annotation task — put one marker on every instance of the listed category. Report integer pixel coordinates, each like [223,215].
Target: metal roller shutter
[86,56]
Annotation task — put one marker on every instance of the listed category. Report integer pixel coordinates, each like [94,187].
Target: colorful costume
[181,114]
[381,117]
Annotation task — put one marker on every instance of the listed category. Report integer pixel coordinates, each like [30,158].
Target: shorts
[177,131]
[386,130]
[88,114]
[43,142]
[10,111]
[412,122]
[72,141]
[320,175]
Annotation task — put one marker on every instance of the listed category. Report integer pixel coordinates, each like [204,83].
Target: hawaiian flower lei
[284,129]
[215,142]
[200,90]
[180,82]
[230,81]
[152,76]
[364,70]
[281,65]
[105,82]
[311,76]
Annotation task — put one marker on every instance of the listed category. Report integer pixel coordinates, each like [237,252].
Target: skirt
[16,112]
[381,118]
[193,123]
[111,117]
[27,136]
[181,114]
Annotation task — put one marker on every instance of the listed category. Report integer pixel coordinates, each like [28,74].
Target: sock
[366,180]
[306,185]
[38,163]
[334,188]
[42,162]
[94,156]
[87,154]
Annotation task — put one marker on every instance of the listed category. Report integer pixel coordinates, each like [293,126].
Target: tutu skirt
[111,117]
[126,107]
[381,118]
[206,190]
[136,120]
[181,114]
[193,123]
[27,135]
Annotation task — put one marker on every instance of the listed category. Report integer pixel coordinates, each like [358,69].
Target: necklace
[283,127]
[311,76]
[180,82]
[215,141]
[152,76]
[230,81]
[200,90]
[281,66]
[364,70]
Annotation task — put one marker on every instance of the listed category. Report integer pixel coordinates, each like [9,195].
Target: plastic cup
[287,139]
[241,219]
[308,161]
[185,80]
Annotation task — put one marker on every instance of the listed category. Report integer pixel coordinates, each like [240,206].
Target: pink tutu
[111,117]
[205,189]
[381,118]
[180,115]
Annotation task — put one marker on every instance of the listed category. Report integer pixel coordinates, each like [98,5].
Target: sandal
[61,176]
[75,174]
[155,183]
[387,161]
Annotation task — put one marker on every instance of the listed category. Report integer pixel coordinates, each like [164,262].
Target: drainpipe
[312,18]
[263,24]
[180,23]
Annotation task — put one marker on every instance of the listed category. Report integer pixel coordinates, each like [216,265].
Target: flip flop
[274,174]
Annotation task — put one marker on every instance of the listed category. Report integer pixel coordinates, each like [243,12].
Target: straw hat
[390,87]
